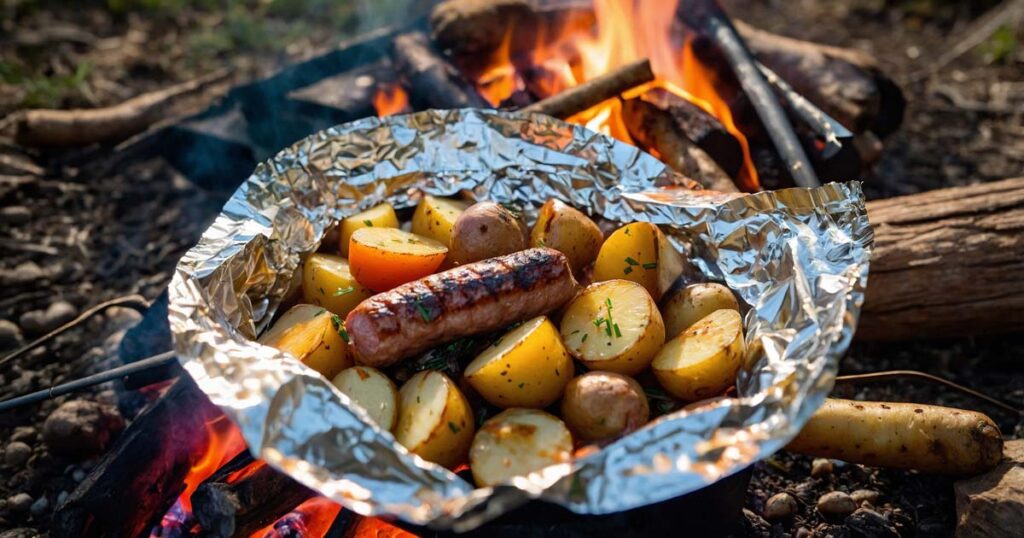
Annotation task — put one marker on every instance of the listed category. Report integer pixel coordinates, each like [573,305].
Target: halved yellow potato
[314,336]
[435,218]
[614,326]
[704,360]
[564,228]
[380,216]
[372,390]
[527,367]
[517,442]
[435,421]
[639,252]
[689,305]
[327,281]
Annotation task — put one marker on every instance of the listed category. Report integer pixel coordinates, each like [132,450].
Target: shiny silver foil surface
[797,257]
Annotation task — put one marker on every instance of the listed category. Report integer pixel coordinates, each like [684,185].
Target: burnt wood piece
[143,473]
[847,84]
[477,27]
[946,263]
[594,91]
[248,504]
[431,80]
[657,128]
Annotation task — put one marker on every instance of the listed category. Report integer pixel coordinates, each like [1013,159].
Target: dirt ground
[80,236]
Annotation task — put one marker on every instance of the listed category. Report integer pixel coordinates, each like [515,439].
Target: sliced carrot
[382,258]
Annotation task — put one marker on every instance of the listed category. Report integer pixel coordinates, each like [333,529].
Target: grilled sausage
[470,299]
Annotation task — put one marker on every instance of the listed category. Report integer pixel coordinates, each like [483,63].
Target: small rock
[15,214]
[780,506]
[862,496]
[10,335]
[39,507]
[24,434]
[44,321]
[821,467]
[804,532]
[19,502]
[836,504]
[78,475]
[870,524]
[61,497]
[23,273]
[25,382]
[120,318]
[992,504]
[17,454]
[81,428]
[755,524]
[23,532]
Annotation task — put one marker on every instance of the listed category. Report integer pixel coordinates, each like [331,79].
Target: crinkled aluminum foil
[798,257]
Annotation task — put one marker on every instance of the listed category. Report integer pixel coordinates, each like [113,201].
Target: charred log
[659,129]
[144,472]
[947,263]
[594,91]
[226,507]
[477,27]
[432,81]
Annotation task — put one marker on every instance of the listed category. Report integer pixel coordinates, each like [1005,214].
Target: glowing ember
[390,99]
[312,518]
[225,443]
[372,527]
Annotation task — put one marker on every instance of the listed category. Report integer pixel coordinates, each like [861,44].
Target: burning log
[946,263]
[432,80]
[476,27]
[847,84]
[245,496]
[665,132]
[598,89]
[144,472]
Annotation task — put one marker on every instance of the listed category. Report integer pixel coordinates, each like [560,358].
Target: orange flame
[619,32]
[312,518]
[390,99]
[372,527]
[225,442]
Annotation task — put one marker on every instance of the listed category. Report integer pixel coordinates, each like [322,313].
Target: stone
[867,523]
[10,335]
[17,454]
[836,505]
[40,507]
[992,504]
[78,475]
[23,532]
[804,532]
[19,502]
[15,214]
[81,428]
[120,318]
[862,496]
[23,273]
[61,497]
[24,434]
[755,525]
[821,467]
[44,321]
[780,506]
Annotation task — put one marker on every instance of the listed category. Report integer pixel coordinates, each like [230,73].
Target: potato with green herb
[314,336]
[486,230]
[327,281]
[600,406]
[379,216]
[435,218]
[641,253]
[435,421]
[564,228]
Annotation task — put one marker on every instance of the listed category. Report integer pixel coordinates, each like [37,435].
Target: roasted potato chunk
[704,360]
[382,258]
[373,391]
[435,218]
[689,305]
[486,230]
[381,216]
[517,442]
[314,336]
[614,326]
[527,367]
[600,406]
[435,421]
[327,281]
[639,252]
[564,228]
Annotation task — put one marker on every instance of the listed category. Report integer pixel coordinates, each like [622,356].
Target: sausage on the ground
[471,299]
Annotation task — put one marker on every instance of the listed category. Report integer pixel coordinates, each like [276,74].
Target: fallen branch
[947,263]
[82,127]
[432,81]
[594,91]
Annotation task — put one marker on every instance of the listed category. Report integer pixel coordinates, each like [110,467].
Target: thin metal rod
[707,16]
[826,127]
[135,302]
[148,363]
[894,375]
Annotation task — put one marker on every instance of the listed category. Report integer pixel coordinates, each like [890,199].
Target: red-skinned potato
[486,230]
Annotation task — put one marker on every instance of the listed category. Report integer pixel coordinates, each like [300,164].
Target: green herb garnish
[424,313]
[344,291]
[453,427]
[631,261]
[650,265]
[368,222]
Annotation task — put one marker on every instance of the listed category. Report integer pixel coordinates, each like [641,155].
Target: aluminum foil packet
[798,258]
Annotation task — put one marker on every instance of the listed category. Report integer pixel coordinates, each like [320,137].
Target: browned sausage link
[470,299]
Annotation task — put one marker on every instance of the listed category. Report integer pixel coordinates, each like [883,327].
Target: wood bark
[947,263]
[594,91]
[432,81]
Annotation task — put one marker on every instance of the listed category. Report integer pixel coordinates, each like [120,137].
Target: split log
[658,129]
[228,508]
[45,127]
[947,263]
[467,28]
[594,91]
[143,473]
[432,81]
[847,84]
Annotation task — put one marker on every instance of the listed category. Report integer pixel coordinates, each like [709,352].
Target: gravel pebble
[78,475]
[870,524]
[862,496]
[81,428]
[40,507]
[780,506]
[23,434]
[15,214]
[804,532]
[23,532]
[17,454]
[821,467]
[120,318]
[61,497]
[10,335]
[19,502]
[44,321]
[836,504]
[23,273]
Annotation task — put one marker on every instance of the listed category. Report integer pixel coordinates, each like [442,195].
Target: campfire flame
[312,518]
[390,99]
